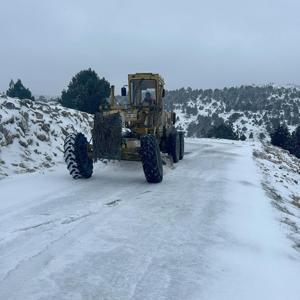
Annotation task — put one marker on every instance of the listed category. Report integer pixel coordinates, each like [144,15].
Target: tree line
[85,92]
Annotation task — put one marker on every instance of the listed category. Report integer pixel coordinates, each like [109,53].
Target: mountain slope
[251,109]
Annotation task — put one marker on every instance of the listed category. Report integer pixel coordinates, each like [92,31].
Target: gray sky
[191,43]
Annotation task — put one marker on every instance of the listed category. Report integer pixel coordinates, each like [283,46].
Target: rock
[46,109]
[9,138]
[20,132]
[42,137]
[30,142]
[46,127]
[23,124]
[65,113]
[39,115]
[48,158]
[26,102]
[46,165]
[22,165]
[25,115]
[11,120]
[9,105]
[64,132]
[23,143]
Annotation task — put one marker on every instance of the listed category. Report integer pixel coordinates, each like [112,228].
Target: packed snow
[208,231]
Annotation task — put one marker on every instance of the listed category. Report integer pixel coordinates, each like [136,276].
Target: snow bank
[32,133]
[281,179]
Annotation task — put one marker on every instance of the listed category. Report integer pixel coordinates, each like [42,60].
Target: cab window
[143,92]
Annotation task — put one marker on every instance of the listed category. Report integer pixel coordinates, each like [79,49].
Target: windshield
[143,92]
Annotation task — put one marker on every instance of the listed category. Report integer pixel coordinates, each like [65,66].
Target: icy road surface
[207,232]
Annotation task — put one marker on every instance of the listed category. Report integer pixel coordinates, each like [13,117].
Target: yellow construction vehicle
[139,130]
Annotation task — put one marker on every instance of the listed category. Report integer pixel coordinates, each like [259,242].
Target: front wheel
[79,164]
[151,159]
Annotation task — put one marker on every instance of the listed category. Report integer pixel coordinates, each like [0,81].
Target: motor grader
[139,130]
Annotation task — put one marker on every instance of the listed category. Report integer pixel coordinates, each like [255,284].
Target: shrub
[18,90]
[223,131]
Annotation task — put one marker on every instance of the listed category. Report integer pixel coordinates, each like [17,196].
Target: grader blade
[107,135]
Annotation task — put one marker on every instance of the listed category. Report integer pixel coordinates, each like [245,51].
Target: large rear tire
[79,164]
[181,141]
[151,159]
[174,146]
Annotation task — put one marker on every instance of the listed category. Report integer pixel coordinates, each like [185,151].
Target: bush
[243,137]
[223,131]
[86,92]
[262,136]
[18,90]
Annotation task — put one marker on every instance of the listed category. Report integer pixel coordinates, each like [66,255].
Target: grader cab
[139,130]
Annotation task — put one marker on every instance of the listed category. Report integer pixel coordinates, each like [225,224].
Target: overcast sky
[212,43]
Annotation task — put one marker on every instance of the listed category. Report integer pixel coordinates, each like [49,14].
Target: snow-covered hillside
[32,133]
[281,181]
[253,110]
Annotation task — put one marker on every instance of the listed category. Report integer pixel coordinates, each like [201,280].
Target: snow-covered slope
[32,133]
[253,110]
[208,231]
[281,181]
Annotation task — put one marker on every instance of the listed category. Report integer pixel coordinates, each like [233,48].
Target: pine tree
[281,137]
[295,142]
[86,92]
[18,90]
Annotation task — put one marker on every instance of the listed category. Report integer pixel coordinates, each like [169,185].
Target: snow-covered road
[206,232]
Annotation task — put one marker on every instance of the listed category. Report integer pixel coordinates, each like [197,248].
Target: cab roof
[154,76]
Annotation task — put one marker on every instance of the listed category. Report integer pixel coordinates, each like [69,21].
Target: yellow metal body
[141,120]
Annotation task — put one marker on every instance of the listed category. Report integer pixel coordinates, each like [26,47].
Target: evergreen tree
[17,90]
[295,142]
[243,137]
[223,131]
[281,137]
[86,92]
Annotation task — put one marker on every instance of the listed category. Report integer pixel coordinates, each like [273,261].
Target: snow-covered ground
[208,231]
[281,180]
